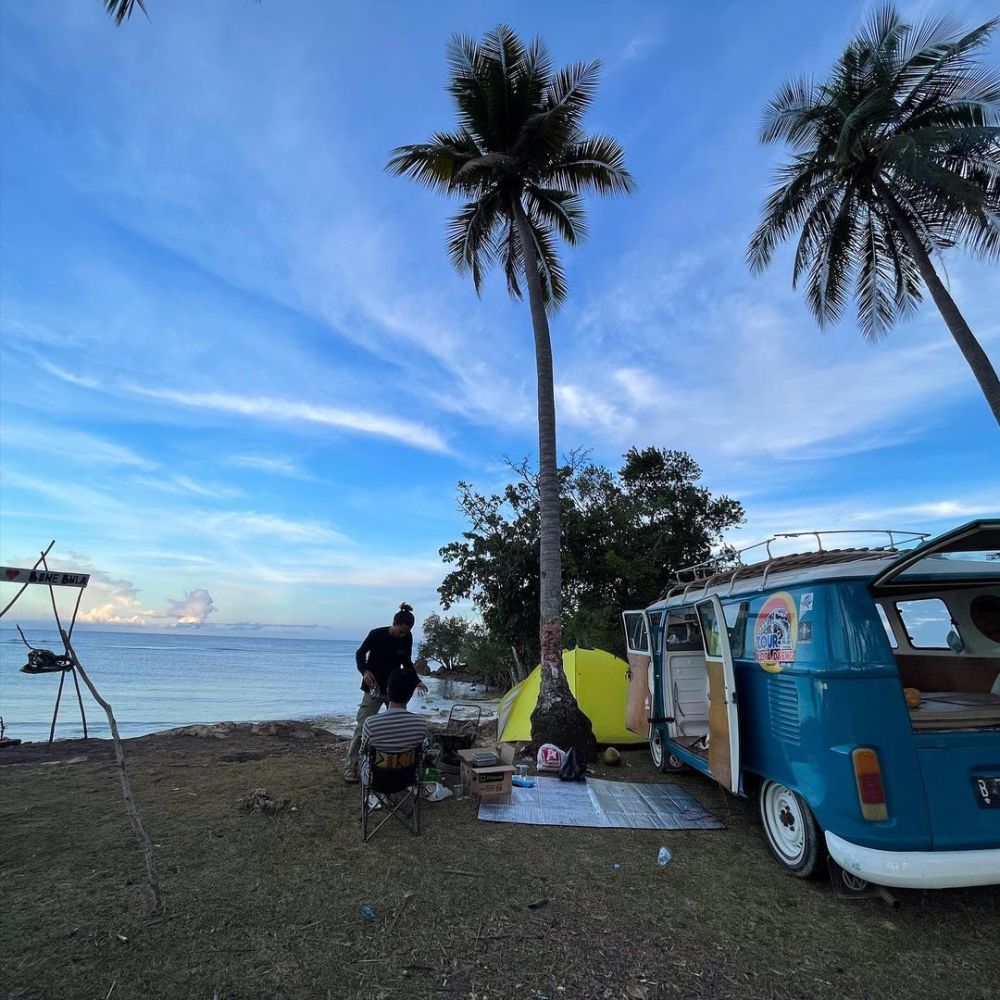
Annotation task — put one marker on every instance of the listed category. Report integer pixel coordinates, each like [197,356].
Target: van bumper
[916,869]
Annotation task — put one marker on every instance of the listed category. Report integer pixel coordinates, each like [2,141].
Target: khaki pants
[370,705]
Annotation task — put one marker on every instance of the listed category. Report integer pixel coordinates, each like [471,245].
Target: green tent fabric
[599,683]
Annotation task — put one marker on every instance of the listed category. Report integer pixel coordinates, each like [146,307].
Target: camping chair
[391,779]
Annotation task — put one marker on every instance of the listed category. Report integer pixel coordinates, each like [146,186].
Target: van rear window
[928,624]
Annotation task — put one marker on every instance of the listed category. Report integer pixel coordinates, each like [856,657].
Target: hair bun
[405,607]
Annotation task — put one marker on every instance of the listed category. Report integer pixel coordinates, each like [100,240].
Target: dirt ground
[270,907]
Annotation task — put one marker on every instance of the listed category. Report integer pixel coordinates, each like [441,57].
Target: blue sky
[240,379]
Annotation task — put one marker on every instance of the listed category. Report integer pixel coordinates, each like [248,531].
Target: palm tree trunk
[971,349]
[556,718]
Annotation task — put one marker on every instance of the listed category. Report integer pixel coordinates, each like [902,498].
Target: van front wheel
[792,832]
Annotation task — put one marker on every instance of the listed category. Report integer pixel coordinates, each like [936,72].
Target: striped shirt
[394,729]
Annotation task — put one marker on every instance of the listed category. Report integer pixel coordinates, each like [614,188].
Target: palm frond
[471,244]
[876,284]
[832,269]
[792,113]
[550,268]
[122,10]
[563,210]
[802,183]
[434,164]
[559,119]
[511,258]
[596,163]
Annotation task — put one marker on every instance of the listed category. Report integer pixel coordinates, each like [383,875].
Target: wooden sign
[10,574]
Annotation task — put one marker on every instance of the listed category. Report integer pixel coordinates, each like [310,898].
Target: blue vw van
[854,691]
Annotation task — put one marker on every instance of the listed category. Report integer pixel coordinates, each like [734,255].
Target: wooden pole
[140,834]
[79,698]
[52,728]
[145,844]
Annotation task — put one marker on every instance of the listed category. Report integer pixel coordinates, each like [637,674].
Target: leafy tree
[443,639]
[625,534]
[521,160]
[896,157]
[488,658]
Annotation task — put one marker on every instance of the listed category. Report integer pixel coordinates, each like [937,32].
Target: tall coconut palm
[520,160]
[896,157]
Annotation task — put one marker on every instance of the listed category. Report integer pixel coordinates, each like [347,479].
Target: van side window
[928,624]
[736,622]
[636,636]
[888,628]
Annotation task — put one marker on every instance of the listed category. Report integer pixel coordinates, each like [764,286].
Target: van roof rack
[731,562]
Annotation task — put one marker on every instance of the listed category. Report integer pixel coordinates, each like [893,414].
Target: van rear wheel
[792,832]
[664,761]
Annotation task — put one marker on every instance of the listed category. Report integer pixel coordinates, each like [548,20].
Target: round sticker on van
[775,633]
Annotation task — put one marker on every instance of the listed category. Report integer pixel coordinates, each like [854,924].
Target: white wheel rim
[656,748]
[784,823]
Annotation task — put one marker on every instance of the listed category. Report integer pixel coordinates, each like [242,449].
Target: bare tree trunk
[971,349]
[556,718]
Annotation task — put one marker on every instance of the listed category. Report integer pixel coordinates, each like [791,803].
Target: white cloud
[69,445]
[267,408]
[113,601]
[193,609]
[185,486]
[83,381]
[268,463]
[236,525]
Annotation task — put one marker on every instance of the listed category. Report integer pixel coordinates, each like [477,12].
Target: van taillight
[868,776]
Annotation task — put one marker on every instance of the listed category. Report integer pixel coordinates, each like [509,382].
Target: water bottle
[663,857]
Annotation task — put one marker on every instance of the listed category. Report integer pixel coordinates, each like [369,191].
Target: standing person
[383,651]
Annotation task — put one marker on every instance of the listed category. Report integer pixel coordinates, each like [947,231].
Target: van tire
[792,832]
[663,760]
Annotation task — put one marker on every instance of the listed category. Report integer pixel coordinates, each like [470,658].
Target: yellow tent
[597,680]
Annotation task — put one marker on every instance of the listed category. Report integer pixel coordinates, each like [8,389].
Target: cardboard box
[493,780]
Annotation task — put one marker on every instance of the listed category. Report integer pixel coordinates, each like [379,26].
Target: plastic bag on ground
[434,791]
[549,758]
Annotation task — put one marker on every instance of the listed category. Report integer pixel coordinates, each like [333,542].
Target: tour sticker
[775,633]
[805,603]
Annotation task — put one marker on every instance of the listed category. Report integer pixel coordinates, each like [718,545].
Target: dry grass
[269,907]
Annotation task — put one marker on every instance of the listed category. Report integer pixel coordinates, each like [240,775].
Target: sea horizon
[156,681]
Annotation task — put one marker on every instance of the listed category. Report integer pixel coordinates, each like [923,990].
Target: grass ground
[270,907]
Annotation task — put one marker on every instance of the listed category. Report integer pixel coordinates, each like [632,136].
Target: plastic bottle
[663,857]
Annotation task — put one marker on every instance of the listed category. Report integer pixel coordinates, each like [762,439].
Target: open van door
[723,714]
[639,707]
[964,555]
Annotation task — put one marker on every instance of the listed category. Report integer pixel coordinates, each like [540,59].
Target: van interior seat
[690,692]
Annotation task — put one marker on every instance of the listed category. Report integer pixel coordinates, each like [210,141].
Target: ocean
[156,682]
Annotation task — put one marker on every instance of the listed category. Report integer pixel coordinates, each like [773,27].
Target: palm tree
[896,157]
[520,160]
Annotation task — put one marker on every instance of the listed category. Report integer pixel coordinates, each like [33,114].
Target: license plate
[987,789]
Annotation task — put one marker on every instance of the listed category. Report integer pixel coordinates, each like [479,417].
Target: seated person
[395,729]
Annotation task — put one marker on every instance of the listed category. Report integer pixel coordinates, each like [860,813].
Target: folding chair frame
[384,762]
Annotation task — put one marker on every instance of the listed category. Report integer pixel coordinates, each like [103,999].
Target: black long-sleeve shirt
[381,653]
